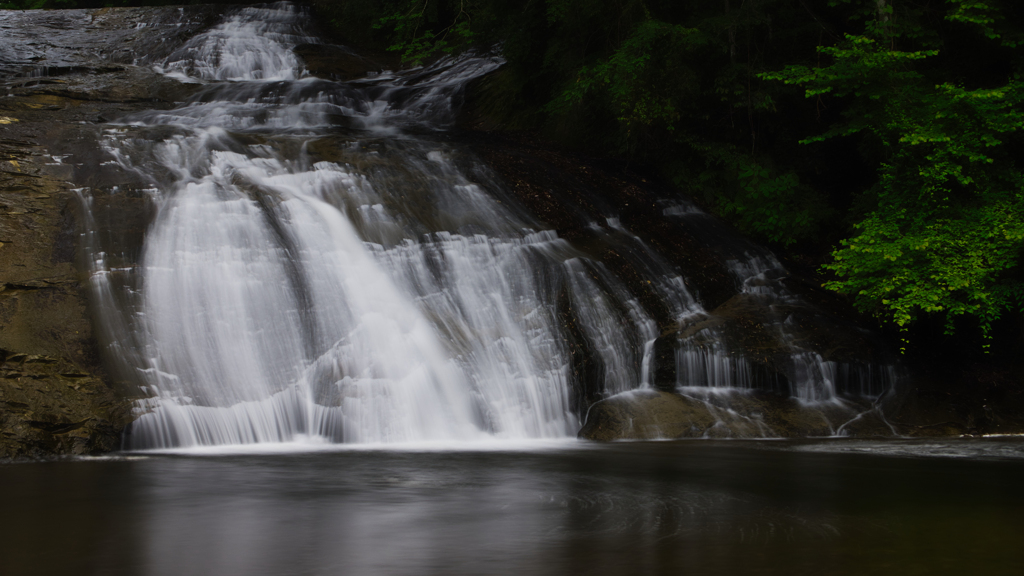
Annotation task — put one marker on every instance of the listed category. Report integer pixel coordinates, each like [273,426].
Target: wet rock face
[62,74]
[646,415]
[339,63]
[50,406]
[659,415]
[53,399]
[64,42]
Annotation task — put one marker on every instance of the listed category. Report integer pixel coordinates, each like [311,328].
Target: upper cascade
[254,43]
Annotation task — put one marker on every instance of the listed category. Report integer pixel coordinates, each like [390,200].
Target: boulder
[658,415]
[333,62]
[646,415]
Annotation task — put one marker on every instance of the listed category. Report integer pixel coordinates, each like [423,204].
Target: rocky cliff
[53,396]
[62,74]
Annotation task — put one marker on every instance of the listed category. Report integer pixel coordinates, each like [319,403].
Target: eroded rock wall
[64,73]
[53,397]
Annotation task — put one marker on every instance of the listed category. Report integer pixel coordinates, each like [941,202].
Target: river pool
[694,507]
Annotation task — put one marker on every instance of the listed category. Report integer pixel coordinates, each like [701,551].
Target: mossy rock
[659,415]
[646,415]
[339,63]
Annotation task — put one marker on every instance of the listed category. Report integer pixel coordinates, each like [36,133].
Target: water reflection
[660,508]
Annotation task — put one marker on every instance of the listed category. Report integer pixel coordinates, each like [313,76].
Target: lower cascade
[321,264]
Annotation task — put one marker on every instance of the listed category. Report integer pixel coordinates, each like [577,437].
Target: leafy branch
[947,227]
[416,40]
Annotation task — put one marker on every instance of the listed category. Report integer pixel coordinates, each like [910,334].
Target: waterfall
[322,266]
[384,298]
[759,278]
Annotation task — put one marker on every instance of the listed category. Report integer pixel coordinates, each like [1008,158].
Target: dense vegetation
[877,139]
[885,130]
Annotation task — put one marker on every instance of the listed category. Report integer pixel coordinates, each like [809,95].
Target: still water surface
[697,507]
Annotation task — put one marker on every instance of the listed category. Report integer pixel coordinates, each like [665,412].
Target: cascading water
[706,360]
[314,270]
[385,298]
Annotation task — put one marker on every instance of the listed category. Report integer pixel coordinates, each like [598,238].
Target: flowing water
[381,297]
[322,265]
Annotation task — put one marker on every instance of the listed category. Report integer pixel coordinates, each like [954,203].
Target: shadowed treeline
[868,141]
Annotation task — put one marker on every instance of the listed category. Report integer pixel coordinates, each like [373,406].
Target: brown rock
[53,399]
[654,415]
[337,62]
[646,415]
[49,406]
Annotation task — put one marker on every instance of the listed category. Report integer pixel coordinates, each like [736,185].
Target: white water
[387,299]
[255,44]
[316,274]
[708,362]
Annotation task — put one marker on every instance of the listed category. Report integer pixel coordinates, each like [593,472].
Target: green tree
[681,90]
[945,231]
[922,98]
[422,28]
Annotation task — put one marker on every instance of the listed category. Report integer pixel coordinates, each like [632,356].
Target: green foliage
[877,75]
[774,206]
[653,85]
[948,226]
[417,34]
[988,19]
[629,78]
[758,198]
